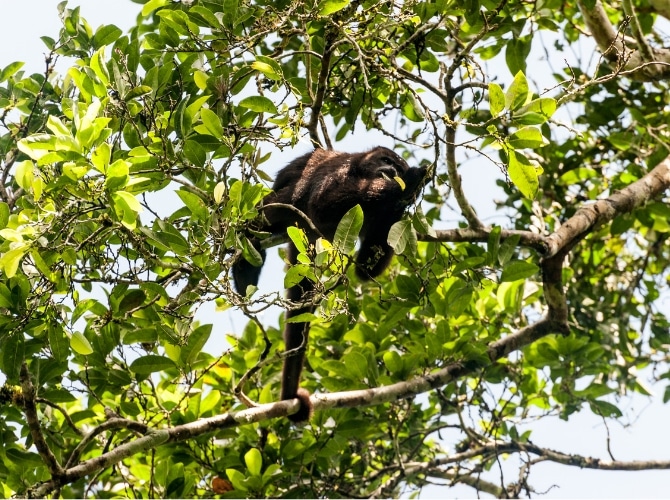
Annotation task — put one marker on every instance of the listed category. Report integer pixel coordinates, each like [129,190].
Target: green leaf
[196,341]
[295,274]
[269,67]
[412,108]
[13,354]
[106,35]
[194,204]
[516,53]
[10,70]
[127,208]
[80,344]
[251,253]
[348,230]
[523,174]
[24,459]
[401,236]
[9,261]
[98,65]
[59,345]
[4,214]
[518,270]
[238,479]
[496,99]
[605,409]
[131,300]
[356,364]
[152,5]
[328,7]
[212,122]
[150,364]
[254,461]
[259,104]
[527,137]
[516,95]
[393,361]
[536,111]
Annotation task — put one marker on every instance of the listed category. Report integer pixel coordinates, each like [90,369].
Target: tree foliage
[130,182]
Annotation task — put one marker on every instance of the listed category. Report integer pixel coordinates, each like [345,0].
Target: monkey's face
[380,169]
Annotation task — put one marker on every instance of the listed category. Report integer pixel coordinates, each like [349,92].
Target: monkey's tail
[296,336]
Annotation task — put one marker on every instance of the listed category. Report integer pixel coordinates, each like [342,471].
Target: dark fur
[325,185]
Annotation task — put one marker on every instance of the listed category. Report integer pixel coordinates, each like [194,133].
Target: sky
[647,438]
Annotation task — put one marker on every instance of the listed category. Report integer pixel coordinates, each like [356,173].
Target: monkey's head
[380,168]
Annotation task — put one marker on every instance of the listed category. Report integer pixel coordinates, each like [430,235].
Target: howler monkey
[324,185]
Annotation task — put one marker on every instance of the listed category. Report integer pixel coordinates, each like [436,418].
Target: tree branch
[33,422]
[593,215]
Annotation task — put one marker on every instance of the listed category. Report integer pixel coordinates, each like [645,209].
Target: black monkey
[324,185]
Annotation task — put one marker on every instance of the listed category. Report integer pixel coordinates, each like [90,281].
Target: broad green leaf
[328,7]
[131,300]
[25,174]
[38,145]
[98,65]
[212,122]
[238,479]
[348,230]
[150,364]
[4,214]
[59,345]
[268,66]
[356,364]
[10,70]
[24,459]
[9,261]
[527,137]
[58,127]
[117,175]
[152,5]
[106,35]
[518,270]
[196,341]
[80,344]
[127,208]
[412,108]
[496,99]
[194,204]
[298,238]
[259,104]
[517,94]
[296,274]
[523,174]
[101,156]
[13,354]
[421,224]
[516,53]
[393,361]
[401,236]
[507,249]
[536,111]
[254,461]
[251,253]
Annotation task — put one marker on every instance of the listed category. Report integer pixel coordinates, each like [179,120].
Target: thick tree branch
[500,447]
[593,215]
[33,422]
[629,54]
